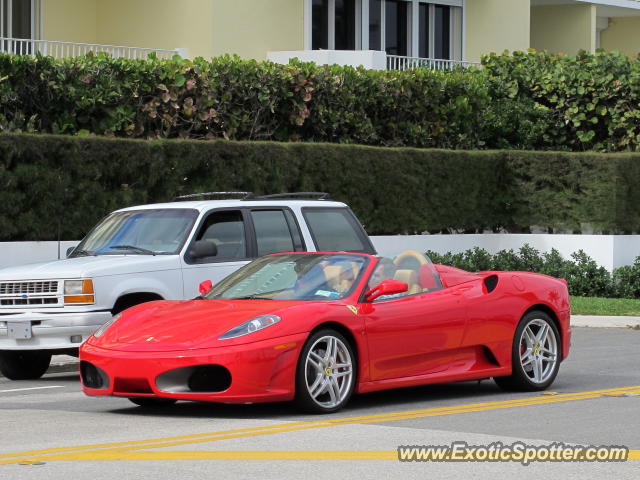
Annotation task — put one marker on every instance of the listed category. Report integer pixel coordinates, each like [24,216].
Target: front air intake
[196,379]
[209,378]
[92,376]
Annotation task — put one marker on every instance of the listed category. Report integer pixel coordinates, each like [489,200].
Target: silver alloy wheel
[328,371]
[538,350]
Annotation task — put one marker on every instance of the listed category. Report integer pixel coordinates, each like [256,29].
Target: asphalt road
[56,432]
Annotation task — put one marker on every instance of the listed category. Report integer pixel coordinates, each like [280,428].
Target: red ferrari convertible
[317,327]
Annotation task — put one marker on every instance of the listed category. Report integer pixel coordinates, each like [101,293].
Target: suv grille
[17,288]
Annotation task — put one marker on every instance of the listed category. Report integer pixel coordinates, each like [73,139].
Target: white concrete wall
[610,251]
[22,253]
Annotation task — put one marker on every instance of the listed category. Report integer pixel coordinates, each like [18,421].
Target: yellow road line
[125,455]
[295,426]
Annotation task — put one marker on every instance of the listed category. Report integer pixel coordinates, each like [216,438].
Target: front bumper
[50,331]
[260,371]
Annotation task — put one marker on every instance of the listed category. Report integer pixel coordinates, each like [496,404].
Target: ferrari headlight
[98,333]
[253,325]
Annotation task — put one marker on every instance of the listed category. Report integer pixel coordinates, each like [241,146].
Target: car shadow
[428,396]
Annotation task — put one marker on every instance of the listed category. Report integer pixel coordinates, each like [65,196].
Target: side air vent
[491,282]
[92,376]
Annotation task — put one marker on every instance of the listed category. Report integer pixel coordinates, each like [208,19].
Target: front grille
[18,288]
[28,301]
[124,386]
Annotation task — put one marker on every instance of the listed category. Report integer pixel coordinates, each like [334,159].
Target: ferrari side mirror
[205,286]
[386,287]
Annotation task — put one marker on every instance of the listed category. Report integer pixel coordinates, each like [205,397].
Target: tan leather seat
[333,274]
[410,277]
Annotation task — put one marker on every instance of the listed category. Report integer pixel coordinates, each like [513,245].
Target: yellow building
[374,33]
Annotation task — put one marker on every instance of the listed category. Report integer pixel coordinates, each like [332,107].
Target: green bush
[587,102]
[627,280]
[236,99]
[51,183]
[582,273]
[524,101]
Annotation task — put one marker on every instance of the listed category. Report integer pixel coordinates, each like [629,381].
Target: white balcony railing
[397,62]
[21,46]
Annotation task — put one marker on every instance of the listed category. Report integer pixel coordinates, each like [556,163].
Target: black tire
[24,365]
[148,402]
[520,380]
[304,401]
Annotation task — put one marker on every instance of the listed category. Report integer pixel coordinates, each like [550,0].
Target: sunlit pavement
[50,429]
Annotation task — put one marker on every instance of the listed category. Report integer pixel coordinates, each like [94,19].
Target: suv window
[336,229]
[226,230]
[273,234]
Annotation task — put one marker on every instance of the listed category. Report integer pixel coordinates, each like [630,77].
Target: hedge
[528,100]
[51,184]
[584,277]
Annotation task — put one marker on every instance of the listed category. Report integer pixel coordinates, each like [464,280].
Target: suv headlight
[100,331]
[79,291]
[253,325]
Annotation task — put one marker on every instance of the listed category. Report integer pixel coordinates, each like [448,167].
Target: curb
[593,321]
[63,364]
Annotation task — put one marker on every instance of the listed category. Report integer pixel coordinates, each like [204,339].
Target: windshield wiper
[134,248]
[250,297]
[78,252]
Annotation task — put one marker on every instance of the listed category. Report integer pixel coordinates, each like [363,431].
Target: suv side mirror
[203,248]
[386,287]
[70,251]
[205,286]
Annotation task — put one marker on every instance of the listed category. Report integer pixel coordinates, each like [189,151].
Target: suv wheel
[24,365]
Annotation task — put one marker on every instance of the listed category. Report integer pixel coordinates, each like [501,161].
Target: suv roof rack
[241,195]
[301,195]
[251,196]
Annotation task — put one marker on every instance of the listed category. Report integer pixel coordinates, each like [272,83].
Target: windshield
[294,277]
[143,232]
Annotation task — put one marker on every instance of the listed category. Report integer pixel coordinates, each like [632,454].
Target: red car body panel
[462,332]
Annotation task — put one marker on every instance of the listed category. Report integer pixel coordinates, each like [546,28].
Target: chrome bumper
[49,331]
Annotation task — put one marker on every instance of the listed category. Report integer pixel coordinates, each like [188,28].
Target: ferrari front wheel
[535,354]
[325,377]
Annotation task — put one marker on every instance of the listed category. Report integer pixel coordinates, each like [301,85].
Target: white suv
[154,252]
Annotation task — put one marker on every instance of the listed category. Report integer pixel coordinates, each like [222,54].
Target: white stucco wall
[610,251]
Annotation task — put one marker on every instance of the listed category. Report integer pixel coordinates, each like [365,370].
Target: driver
[385,270]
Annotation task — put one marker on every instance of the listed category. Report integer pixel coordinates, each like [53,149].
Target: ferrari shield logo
[353,309]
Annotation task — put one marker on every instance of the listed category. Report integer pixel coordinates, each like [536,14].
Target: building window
[335,24]
[345,22]
[416,28]
[375,24]
[320,15]
[435,33]
[442,28]
[397,33]
[17,18]
[423,30]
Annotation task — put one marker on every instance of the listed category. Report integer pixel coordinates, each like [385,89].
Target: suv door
[240,236]
[336,230]
[227,229]
[276,230]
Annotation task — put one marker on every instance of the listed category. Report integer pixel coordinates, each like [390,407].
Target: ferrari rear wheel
[535,354]
[152,402]
[325,377]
